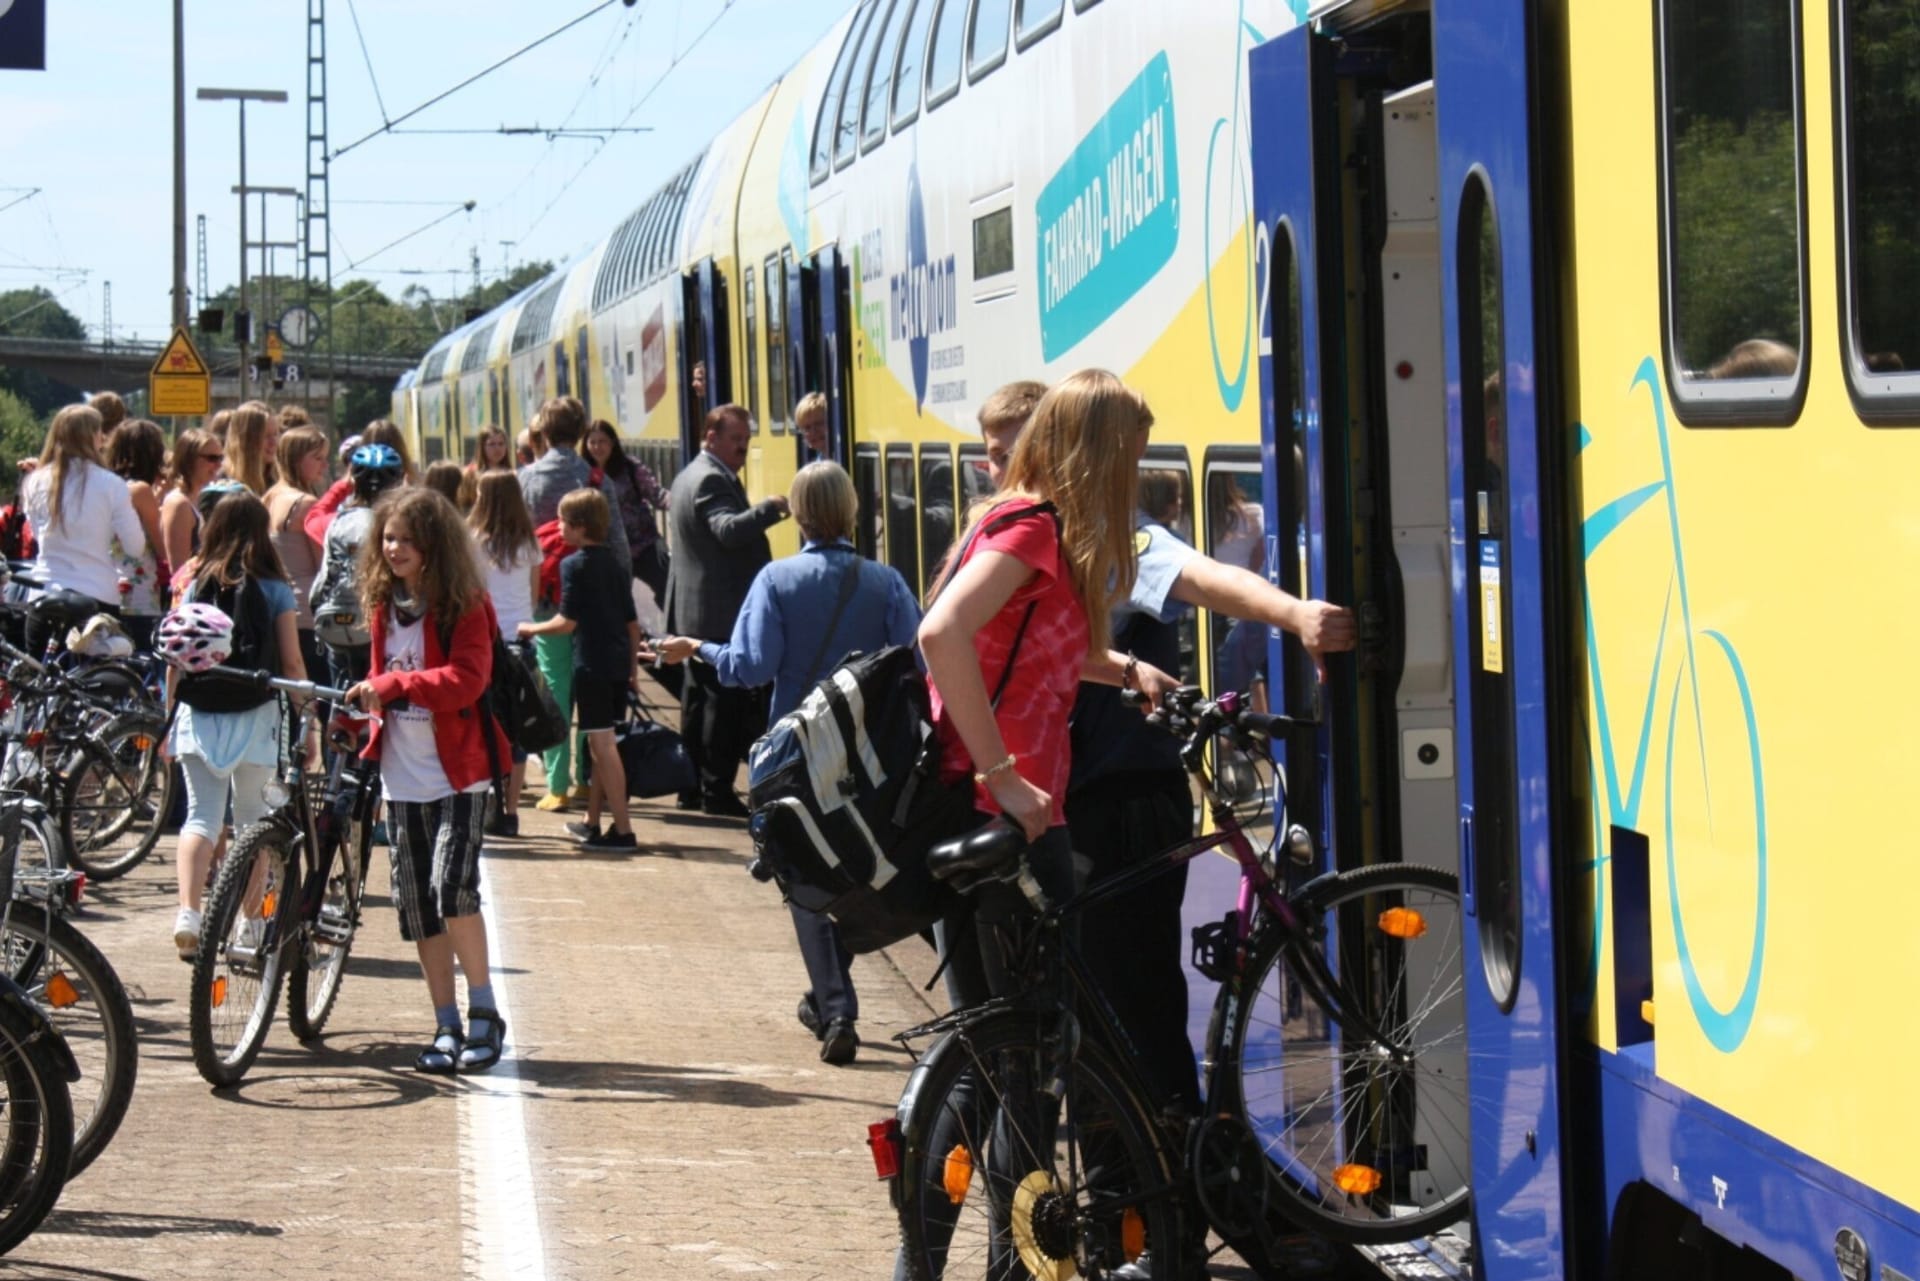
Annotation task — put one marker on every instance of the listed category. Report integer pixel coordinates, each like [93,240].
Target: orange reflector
[1403,923]
[61,992]
[1133,1234]
[267,904]
[958,1174]
[141,742]
[1357,1180]
[219,992]
[36,738]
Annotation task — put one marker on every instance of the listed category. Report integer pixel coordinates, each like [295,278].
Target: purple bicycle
[1334,1067]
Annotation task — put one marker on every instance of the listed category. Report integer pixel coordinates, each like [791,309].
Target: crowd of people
[1069,588]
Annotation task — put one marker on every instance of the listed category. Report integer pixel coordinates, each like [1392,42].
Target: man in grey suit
[561,421]
[719,544]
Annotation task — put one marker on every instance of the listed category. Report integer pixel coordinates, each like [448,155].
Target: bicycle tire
[37,1149]
[954,1145]
[241,953]
[314,979]
[110,832]
[93,1014]
[1350,1131]
[38,854]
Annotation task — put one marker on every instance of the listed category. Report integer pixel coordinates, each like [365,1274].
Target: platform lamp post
[243,97]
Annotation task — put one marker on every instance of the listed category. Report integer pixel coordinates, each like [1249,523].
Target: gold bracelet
[985,774]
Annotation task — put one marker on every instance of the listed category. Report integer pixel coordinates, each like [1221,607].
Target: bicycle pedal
[1215,947]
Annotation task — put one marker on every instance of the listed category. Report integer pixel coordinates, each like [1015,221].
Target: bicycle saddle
[984,852]
[62,609]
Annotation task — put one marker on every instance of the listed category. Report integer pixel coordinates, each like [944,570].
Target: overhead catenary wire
[425,227]
[360,35]
[387,125]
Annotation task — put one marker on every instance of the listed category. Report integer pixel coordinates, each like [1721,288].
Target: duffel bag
[655,757]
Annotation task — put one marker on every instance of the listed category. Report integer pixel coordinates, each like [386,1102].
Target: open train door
[704,342]
[1482,56]
[830,328]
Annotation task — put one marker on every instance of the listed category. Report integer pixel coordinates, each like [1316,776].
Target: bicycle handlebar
[1187,713]
[267,680]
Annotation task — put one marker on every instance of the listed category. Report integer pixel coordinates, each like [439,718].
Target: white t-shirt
[96,509]
[409,759]
[510,588]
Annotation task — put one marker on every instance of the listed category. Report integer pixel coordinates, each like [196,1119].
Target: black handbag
[655,757]
[533,719]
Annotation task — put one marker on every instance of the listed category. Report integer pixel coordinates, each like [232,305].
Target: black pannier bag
[846,800]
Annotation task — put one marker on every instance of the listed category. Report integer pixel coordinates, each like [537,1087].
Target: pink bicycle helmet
[195,637]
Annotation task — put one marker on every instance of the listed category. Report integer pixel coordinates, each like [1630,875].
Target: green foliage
[21,436]
[1736,260]
[36,313]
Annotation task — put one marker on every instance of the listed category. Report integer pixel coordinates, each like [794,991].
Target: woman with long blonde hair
[77,508]
[253,438]
[509,557]
[433,634]
[196,460]
[302,466]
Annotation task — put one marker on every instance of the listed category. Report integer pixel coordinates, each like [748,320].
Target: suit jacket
[719,544]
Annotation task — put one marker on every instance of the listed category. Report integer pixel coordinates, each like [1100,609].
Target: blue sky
[94,132]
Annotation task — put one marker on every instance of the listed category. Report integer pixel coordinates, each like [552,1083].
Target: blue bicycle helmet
[374,469]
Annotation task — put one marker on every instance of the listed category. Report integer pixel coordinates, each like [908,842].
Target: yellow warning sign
[179,382]
[1492,649]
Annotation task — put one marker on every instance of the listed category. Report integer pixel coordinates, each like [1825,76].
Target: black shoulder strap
[1005,516]
[849,579]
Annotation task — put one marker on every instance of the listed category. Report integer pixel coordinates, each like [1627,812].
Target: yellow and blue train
[1570,343]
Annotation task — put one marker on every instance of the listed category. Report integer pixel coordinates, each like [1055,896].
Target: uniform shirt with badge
[1109,737]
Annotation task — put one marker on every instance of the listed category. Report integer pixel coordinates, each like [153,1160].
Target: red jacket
[321,514]
[451,689]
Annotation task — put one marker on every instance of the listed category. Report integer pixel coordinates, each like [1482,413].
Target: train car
[1588,386]
[401,410]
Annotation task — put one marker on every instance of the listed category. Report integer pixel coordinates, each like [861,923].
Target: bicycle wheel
[313,981]
[37,1115]
[1366,1133]
[236,973]
[73,983]
[995,1175]
[115,797]
[38,855]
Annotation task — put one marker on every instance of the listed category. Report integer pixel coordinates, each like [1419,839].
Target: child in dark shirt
[596,609]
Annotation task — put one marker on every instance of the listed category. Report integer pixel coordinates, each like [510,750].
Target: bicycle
[1336,1046]
[263,914]
[36,1115]
[72,982]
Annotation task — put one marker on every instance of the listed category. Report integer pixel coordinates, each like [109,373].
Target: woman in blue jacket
[802,617]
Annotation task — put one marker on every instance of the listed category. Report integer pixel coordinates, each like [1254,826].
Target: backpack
[16,535]
[518,698]
[256,648]
[553,550]
[847,798]
[338,619]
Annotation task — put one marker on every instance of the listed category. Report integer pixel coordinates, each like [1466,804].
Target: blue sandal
[481,1052]
[440,1057]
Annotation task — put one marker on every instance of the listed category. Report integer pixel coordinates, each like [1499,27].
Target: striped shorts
[435,856]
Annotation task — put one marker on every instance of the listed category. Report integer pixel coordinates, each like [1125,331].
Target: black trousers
[829,966]
[1133,944]
[719,724]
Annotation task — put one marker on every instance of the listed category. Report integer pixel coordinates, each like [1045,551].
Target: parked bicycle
[1336,1090]
[266,915]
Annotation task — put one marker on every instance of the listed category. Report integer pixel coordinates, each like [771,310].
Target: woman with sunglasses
[197,458]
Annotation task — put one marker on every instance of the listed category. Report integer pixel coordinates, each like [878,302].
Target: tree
[20,437]
[37,313]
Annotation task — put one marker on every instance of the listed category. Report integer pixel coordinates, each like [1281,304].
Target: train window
[753,348]
[776,337]
[907,67]
[1236,531]
[1037,18]
[1732,179]
[993,244]
[902,530]
[987,37]
[823,128]
[1879,64]
[873,117]
[976,482]
[1483,416]
[943,52]
[866,488]
[1166,495]
[936,507]
[846,138]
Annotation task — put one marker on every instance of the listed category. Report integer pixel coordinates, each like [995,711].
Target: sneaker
[582,831]
[839,1043]
[727,806]
[610,840]
[552,803]
[186,933]
[380,833]
[503,825]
